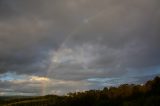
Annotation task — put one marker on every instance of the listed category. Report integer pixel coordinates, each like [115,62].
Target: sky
[61,46]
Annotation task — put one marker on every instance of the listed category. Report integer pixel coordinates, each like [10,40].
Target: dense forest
[124,95]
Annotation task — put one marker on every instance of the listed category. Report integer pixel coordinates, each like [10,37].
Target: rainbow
[69,36]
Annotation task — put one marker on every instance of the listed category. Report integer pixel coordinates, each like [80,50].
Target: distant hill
[13,97]
[124,95]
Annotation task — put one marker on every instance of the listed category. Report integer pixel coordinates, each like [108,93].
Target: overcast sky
[61,46]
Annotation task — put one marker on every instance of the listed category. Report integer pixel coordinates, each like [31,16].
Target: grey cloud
[39,85]
[105,38]
[24,87]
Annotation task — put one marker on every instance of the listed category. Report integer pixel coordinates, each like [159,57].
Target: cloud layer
[78,42]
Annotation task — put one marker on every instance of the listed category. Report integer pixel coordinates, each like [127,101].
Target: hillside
[124,95]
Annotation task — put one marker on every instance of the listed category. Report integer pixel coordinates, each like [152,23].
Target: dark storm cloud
[79,39]
[25,38]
